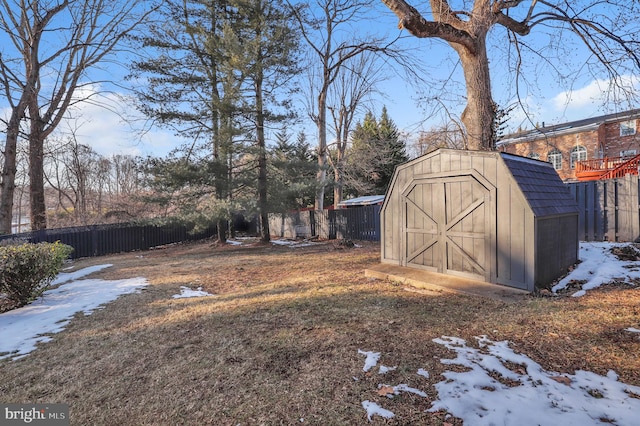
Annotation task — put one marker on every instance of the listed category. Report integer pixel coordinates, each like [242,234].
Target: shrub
[26,271]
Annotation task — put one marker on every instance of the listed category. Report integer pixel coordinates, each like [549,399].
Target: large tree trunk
[468,38]
[262,164]
[321,176]
[479,115]
[338,186]
[36,179]
[8,183]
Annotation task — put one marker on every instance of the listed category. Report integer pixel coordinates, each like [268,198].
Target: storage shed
[487,216]
[367,200]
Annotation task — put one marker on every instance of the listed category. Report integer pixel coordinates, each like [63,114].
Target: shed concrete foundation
[442,283]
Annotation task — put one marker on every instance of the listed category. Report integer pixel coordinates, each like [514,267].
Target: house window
[534,156]
[578,153]
[629,153]
[628,128]
[555,158]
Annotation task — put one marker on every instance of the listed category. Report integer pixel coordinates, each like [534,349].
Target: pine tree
[192,87]
[375,152]
[393,147]
[292,173]
[268,62]
[218,79]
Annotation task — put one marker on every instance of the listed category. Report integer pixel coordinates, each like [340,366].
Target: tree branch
[518,27]
[588,31]
[418,26]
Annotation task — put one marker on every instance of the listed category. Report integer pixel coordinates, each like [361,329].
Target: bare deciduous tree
[354,84]
[449,135]
[73,171]
[323,28]
[607,29]
[52,45]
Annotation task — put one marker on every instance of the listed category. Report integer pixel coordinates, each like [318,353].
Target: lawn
[283,340]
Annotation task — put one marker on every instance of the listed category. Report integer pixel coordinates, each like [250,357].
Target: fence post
[616,212]
[94,240]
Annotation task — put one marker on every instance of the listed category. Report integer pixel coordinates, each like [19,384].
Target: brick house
[563,145]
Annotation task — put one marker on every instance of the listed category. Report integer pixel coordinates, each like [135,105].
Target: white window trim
[555,158]
[578,153]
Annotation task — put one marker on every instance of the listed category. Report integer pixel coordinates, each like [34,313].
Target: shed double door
[447,226]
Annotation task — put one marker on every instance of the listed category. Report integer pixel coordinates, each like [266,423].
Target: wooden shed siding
[512,190]
[504,232]
[514,237]
[390,238]
[554,254]
[628,218]
[518,247]
[443,164]
[456,195]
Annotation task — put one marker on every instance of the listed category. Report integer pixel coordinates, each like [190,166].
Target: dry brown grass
[280,341]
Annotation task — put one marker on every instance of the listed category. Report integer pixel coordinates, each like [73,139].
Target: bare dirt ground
[279,342]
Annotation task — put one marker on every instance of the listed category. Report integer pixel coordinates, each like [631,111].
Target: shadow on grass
[278,351]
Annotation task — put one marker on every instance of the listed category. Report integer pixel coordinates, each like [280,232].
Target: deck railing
[606,168]
[629,167]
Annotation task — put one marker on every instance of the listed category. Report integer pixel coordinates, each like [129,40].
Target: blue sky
[548,100]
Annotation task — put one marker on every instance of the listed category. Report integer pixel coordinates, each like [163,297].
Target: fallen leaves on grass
[386,390]
[284,327]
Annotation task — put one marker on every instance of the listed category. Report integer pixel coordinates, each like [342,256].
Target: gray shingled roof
[545,192]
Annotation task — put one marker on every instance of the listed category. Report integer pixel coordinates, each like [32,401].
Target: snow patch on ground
[384,369]
[374,409]
[64,277]
[21,329]
[422,372]
[531,393]
[402,387]
[371,360]
[186,292]
[599,266]
[498,386]
[293,244]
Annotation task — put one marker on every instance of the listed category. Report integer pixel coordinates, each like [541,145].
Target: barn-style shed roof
[488,216]
[546,194]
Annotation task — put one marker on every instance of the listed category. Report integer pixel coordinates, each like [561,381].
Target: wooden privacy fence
[98,240]
[609,209]
[358,223]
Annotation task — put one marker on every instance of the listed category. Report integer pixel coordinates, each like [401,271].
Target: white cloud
[585,96]
[595,97]
[108,124]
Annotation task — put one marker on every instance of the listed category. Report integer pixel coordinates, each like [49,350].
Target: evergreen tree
[393,147]
[192,87]
[292,173]
[269,57]
[375,152]
[216,76]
